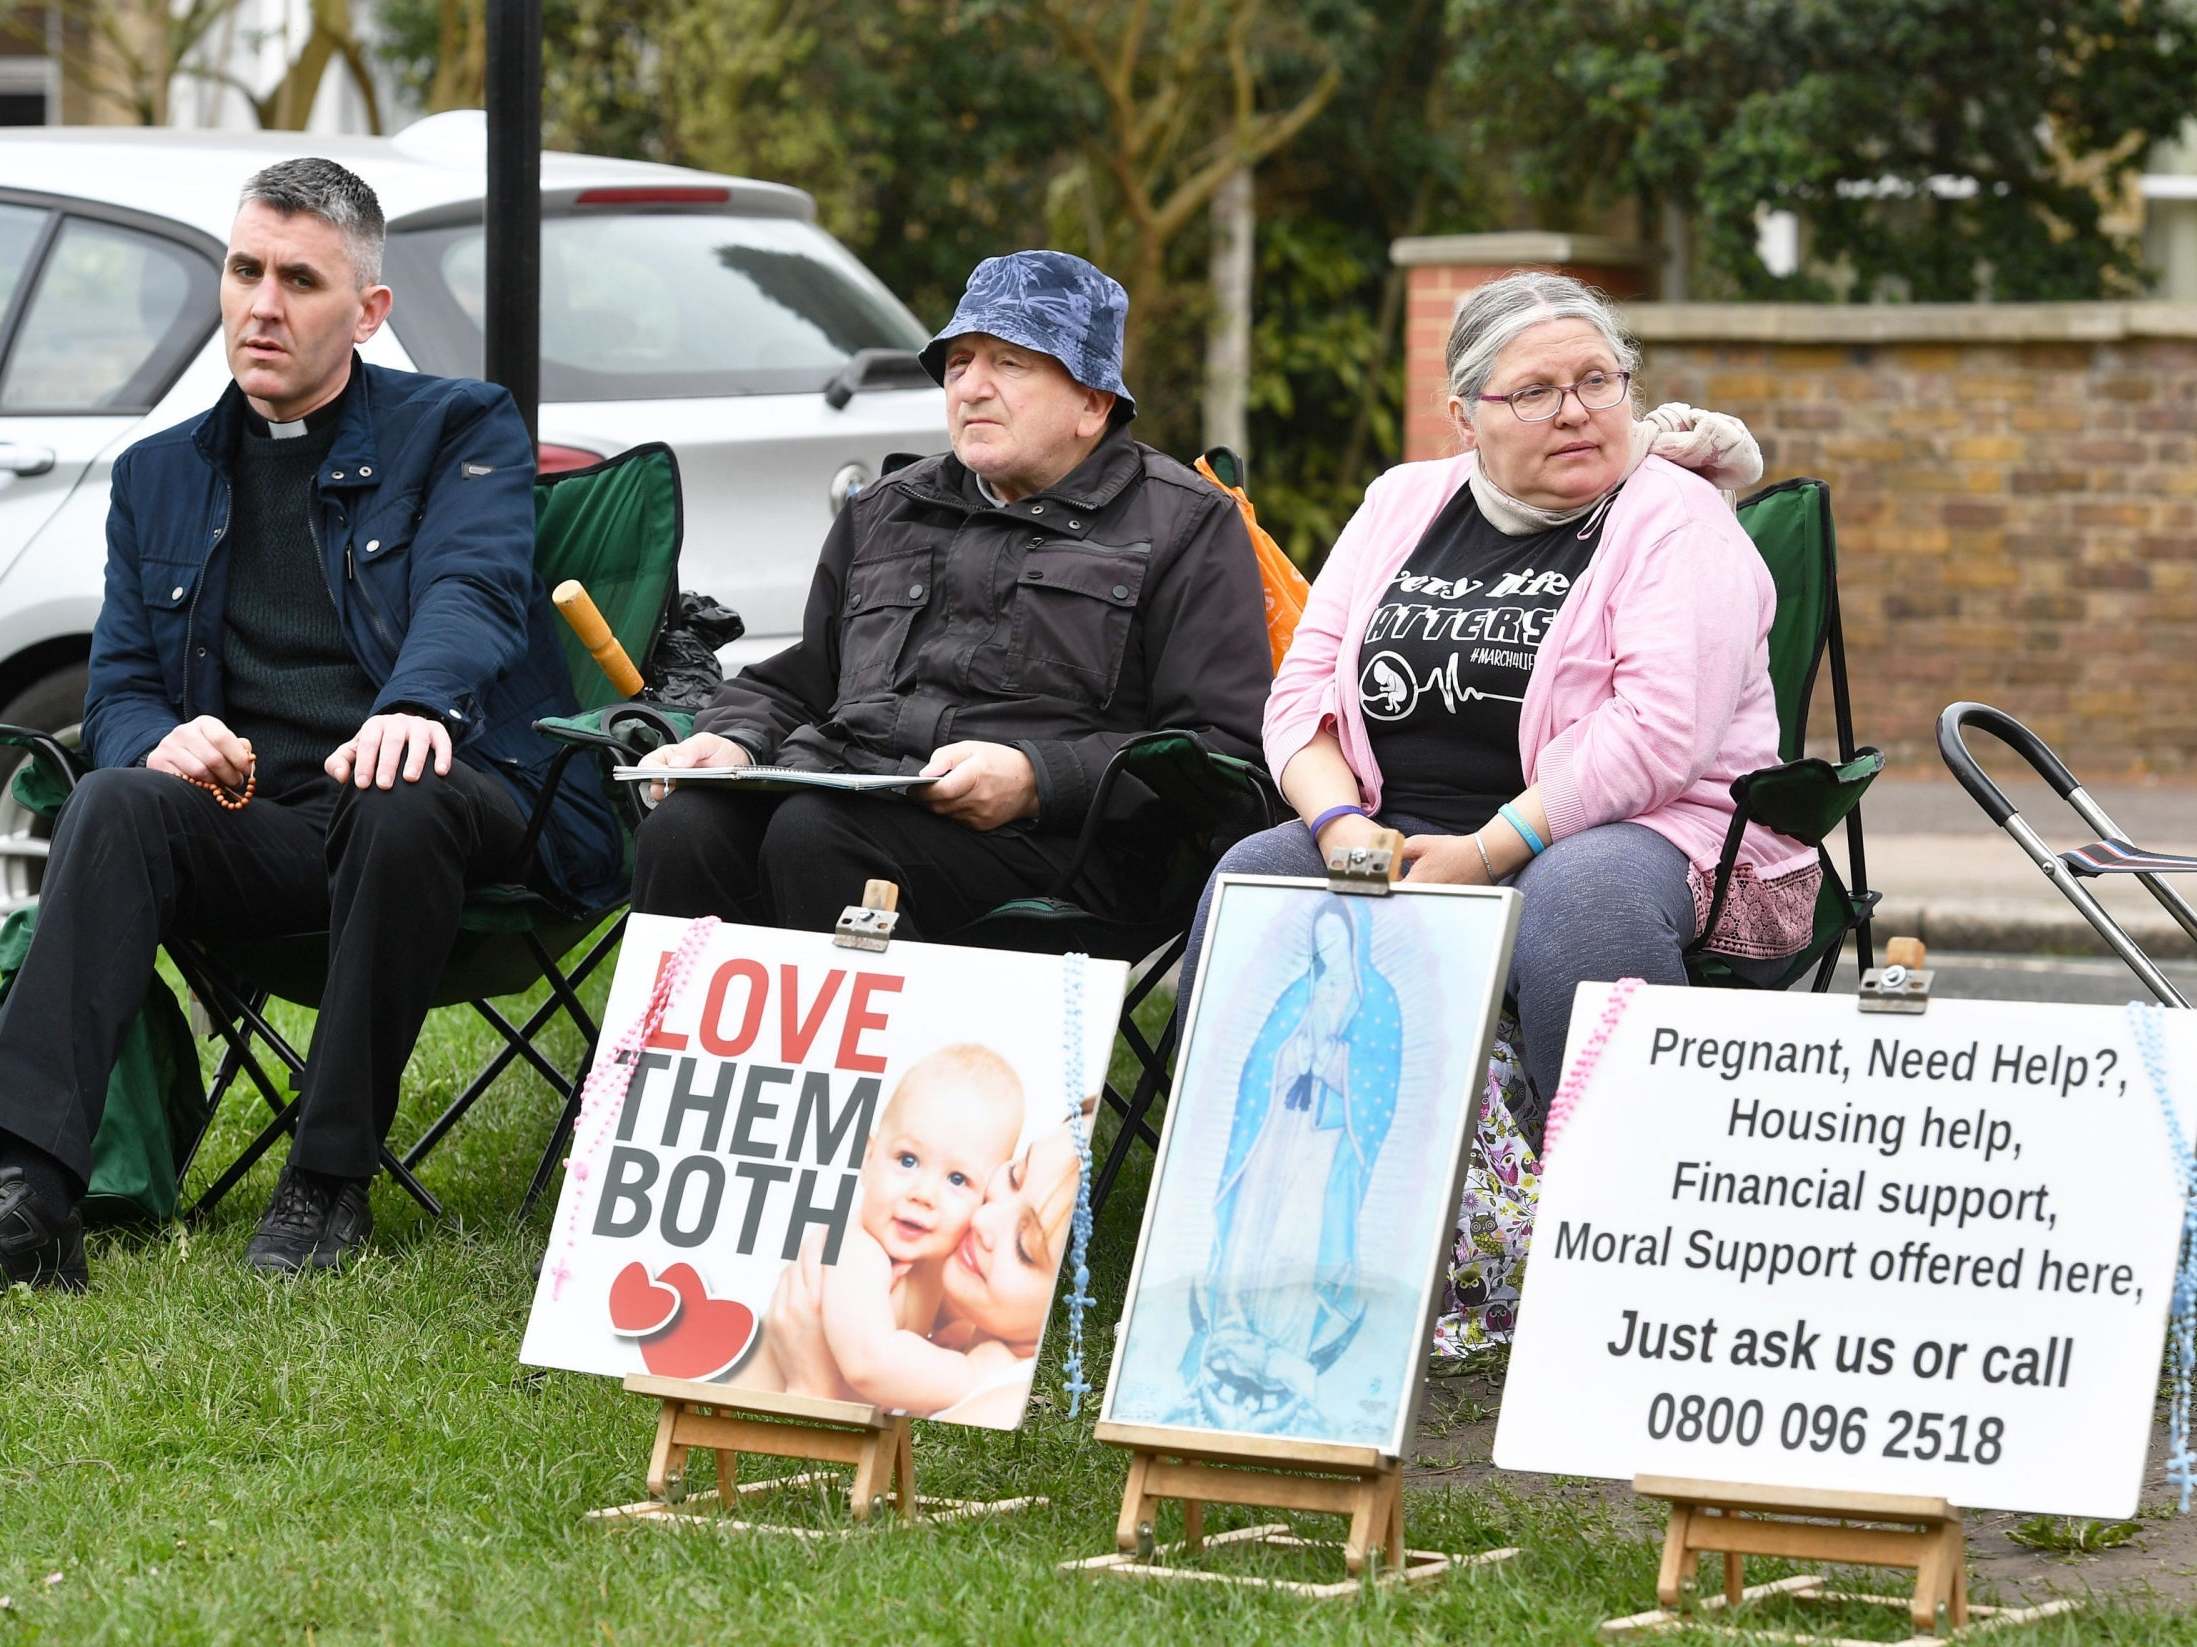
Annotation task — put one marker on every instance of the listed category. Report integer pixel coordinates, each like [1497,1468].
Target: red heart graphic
[639,1306]
[709,1336]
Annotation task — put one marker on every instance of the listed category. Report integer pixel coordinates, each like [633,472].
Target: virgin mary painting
[1282,1297]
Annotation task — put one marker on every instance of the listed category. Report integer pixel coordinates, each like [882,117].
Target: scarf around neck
[1514,517]
[1713,445]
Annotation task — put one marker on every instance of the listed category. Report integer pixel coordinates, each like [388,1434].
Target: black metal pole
[514,204]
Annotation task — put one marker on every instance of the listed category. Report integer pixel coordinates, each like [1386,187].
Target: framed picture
[1306,1191]
[832,1174]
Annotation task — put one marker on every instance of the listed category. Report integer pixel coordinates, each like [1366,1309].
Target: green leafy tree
[1384,161]
[1938,149]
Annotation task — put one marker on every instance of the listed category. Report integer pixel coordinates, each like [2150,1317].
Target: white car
[709,312]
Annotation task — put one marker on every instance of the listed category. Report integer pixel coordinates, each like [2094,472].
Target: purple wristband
[1334,812]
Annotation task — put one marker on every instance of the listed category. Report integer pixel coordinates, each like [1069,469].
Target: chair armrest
[1804,799]
[44,781]
[619,734]
[1179,770]
[624,730]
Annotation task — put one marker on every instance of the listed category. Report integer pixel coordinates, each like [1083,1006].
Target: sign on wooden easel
[1856,1248]
[824,1186]
[1275,1331]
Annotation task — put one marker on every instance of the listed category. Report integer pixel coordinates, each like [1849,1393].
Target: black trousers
[797,860]
[139,856]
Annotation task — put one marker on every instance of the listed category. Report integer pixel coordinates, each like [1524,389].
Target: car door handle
[24,460]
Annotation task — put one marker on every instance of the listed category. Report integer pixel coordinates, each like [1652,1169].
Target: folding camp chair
[616,527]
[1805,798]
[1171,804]
[2113,852]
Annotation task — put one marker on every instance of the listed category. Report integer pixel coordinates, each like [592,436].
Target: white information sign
[1784,1242]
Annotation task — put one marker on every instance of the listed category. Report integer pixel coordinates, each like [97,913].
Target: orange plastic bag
[1285,586]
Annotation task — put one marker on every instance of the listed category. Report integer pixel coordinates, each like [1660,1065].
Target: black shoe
[312,1223]
[33,1251]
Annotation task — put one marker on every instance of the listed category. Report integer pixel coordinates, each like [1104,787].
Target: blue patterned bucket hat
[1052,302]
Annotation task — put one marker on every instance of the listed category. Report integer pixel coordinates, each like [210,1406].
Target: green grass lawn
[192,1454]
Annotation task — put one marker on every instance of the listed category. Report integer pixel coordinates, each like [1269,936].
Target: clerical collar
[312,423]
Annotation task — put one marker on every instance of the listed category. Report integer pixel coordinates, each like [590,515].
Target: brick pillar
[1441,269]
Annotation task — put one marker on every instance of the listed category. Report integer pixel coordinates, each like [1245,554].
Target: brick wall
[2015,490]
[1442,269]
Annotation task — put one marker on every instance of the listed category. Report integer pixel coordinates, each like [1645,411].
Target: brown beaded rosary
[230,800]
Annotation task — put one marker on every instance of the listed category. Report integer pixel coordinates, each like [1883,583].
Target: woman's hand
[793,1326]
[1450,860]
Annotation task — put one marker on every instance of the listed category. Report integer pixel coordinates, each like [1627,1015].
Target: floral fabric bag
[1487,1265]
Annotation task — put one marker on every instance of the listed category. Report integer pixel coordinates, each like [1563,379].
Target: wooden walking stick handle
[579,611]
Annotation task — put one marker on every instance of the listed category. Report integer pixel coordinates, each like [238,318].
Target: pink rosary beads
[1574,1085]
[605,1092]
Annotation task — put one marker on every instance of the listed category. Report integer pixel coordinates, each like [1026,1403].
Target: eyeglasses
[1538,402]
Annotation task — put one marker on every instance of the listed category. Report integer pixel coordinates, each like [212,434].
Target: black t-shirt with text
[1447,654]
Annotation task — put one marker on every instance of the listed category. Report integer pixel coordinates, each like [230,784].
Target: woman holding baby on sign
[938,1294]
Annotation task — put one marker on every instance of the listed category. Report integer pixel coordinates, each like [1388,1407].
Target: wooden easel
[1273,1473]
[1737,1520]
[734,1421]
[1196,1468]
[1853,1529]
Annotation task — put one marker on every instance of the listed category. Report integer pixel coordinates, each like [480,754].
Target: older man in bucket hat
[1001,619]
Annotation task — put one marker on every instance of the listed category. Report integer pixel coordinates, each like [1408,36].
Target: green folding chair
[1803,797]
[615,527]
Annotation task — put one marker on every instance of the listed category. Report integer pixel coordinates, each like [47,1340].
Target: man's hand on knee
[388,745]
[204,750]
[702,749]
[982,785]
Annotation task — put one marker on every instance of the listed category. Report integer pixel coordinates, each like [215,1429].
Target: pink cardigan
[1651,694]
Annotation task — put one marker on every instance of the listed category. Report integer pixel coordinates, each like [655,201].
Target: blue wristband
[1346,810]
[1517,820]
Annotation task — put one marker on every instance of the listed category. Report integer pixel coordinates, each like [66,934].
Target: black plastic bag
[683,670]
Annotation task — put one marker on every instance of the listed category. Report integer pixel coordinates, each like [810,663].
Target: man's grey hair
[1496,313]
[336,195]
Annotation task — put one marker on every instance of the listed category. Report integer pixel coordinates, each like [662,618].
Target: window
[20,227]
[114,316]
[655,305]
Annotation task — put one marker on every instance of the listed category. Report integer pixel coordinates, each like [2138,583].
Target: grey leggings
[1609,902]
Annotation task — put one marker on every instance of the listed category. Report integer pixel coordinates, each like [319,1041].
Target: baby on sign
[950,1124]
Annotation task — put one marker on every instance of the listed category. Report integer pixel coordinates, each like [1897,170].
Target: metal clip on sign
[869,924]
[1370,869]
[1902,984]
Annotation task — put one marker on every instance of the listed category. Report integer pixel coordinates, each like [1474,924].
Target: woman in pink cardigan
[1544,661]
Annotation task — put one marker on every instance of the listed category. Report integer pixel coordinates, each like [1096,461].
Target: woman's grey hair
[334,194]
[1504,307]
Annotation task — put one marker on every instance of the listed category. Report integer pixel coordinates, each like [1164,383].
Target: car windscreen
[657,305]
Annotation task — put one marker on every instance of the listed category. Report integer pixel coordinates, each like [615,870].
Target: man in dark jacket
[313,685]
[1002,620]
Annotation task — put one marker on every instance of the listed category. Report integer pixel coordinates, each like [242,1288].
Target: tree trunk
[1676,224]
[1228,332]
[1147,269]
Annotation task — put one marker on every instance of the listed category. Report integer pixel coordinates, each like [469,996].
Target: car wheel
[54,704]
